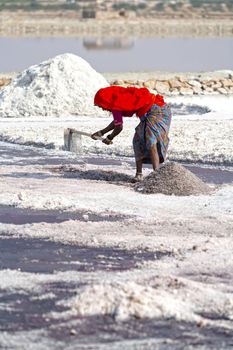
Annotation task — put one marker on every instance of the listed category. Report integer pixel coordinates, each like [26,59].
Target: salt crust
[188,228]
[192,137]
[198,229]
[124,300]
[27,190]
[168,298]
[190,140]
[61,86]
[132,294]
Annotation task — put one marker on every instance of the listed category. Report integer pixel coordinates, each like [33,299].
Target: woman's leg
[139,166]
[138,155]
[138,176]
[155,157]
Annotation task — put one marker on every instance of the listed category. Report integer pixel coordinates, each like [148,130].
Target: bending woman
[151,140]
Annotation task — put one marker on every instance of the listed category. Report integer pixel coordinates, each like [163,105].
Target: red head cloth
[131,99]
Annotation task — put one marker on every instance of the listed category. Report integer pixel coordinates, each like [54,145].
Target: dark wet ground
[20,155]
[38,156]
[212,175]
[41,256]
[95,330]
[181,334]
[22,216]
[25,311]
[34,255]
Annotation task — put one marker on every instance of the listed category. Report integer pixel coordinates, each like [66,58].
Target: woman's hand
[97,135]
[107,141]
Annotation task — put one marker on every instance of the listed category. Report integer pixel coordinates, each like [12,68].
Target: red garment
[131,99]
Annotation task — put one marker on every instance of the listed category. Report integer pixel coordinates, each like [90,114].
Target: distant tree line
[141,5]
[211,3]
[129,6]
[38,5]
[215,5]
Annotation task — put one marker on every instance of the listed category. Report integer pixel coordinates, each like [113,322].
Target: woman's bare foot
[138,177]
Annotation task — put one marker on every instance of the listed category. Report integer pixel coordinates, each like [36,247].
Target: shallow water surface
[120,55]
[34,255]
[22,216]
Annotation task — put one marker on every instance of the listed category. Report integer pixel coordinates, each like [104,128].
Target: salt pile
[62,86]
[130,300]
[95,174]
[173,178]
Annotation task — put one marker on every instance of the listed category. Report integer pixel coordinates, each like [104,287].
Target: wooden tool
[75,131]
[73,139]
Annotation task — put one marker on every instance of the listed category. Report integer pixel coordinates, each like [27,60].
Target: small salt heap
[173,179]
[62,86]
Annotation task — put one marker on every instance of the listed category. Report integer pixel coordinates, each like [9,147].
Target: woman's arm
[116,125]
[110,127]
[100,133]
[116,131]
[110,137]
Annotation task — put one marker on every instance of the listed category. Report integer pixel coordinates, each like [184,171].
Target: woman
[151,140]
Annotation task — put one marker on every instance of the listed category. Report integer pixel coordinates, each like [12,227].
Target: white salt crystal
[62,86]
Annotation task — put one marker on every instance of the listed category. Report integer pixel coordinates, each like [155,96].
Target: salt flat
[157,264]
[88,263]
[201,131]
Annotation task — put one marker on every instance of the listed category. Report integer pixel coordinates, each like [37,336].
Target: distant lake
[122,55]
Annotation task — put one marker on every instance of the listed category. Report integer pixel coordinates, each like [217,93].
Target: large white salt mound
[62,86]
